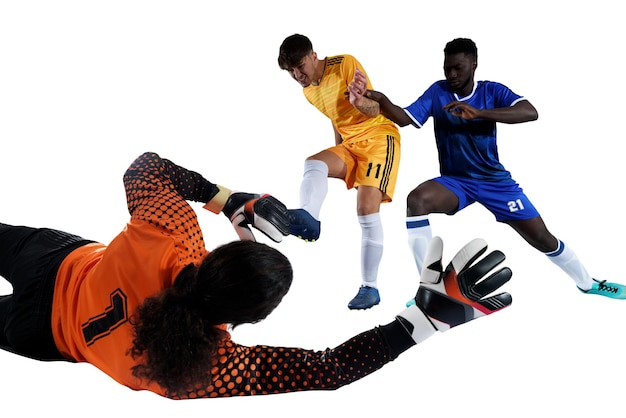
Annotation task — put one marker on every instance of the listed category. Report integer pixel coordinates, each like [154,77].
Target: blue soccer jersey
[467,148]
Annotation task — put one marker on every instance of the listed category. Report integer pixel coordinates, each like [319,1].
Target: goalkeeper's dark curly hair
[177,332]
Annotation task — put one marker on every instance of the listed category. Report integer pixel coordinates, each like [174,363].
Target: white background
[87,86]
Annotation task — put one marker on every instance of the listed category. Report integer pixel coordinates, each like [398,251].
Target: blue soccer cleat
[303,225]
[604,288]
[365,299]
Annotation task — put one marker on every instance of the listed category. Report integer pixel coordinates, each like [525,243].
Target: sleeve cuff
[416,324]
[217,203]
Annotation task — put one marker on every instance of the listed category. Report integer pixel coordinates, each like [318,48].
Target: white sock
[314,187]
[371,248]
[567,260]
[419,236]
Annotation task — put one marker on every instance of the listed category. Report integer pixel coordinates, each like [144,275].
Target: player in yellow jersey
[365,155]
[154,309]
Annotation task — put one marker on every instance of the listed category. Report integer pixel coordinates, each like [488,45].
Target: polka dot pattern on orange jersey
[151,179]
[261,370]
[238,370]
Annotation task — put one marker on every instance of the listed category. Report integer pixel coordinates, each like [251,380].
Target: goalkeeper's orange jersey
[99,287]
[329,97]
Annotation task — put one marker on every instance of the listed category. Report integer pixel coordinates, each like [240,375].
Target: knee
[368,202]
[417,204]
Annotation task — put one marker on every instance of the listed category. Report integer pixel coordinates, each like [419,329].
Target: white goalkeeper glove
[264,212]
[458,294]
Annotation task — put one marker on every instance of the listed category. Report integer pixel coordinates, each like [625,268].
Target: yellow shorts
[371,162]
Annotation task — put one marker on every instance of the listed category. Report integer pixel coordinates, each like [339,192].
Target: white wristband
[422,327]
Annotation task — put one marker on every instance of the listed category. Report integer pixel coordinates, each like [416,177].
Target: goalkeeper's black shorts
[29,260]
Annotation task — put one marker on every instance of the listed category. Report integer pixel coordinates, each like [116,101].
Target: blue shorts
[504,198]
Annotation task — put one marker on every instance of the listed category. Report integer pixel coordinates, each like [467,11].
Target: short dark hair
[461,46]
[292,50]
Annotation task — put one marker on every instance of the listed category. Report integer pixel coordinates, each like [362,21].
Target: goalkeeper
[154,308]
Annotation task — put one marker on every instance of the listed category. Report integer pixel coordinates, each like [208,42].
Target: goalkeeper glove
[264,212]
[458,294]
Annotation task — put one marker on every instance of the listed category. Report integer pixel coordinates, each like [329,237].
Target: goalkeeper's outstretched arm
[446,298]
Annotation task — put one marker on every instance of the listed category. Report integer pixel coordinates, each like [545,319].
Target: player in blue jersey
[465,113]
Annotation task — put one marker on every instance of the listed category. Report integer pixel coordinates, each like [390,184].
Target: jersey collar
[466,98]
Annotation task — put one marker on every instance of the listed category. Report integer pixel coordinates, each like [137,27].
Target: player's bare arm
[364,105]
[390,110]
[522,111]
[356,91]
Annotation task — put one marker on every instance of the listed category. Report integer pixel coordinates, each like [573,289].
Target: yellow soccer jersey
[330,98]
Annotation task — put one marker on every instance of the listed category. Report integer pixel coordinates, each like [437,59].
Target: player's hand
[462,110]
[357,87]
[459,293]
[264,212]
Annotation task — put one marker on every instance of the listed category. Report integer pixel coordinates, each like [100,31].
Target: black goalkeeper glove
[458,294]
[264,212]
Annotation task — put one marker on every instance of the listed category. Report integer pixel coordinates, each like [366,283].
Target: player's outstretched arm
[388,109]
[522,111]
[372,103]
[446,298]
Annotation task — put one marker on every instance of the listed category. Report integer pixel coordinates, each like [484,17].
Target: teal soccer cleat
[604,288]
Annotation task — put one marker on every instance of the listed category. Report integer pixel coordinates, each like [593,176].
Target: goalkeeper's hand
[459,293]
[264,212]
